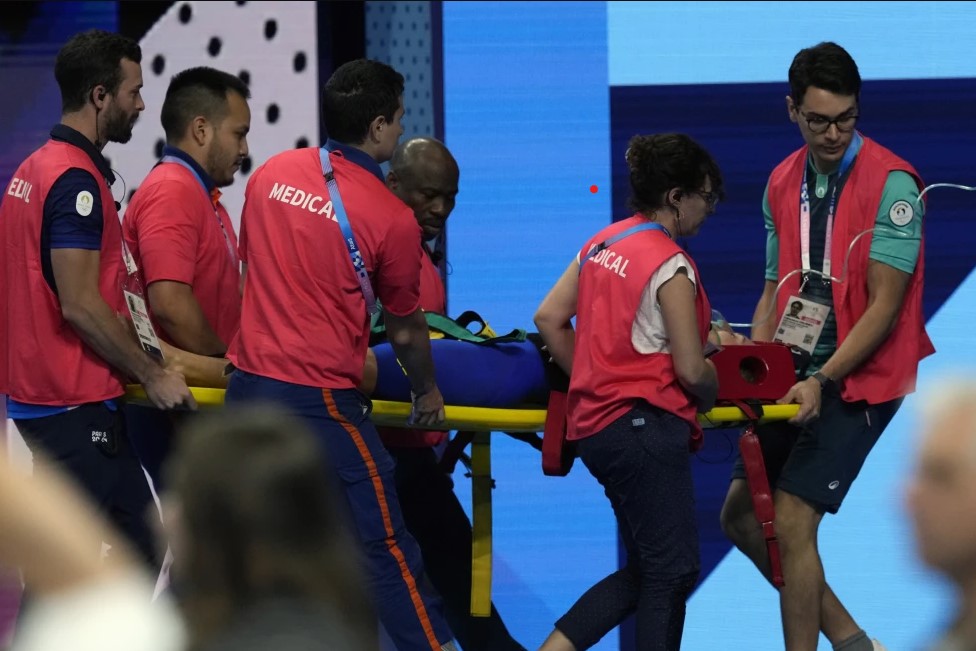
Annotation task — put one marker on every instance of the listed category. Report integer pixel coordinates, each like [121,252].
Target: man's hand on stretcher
[199,370]
[807,393]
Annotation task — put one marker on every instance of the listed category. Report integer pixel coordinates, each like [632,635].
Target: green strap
[457,329]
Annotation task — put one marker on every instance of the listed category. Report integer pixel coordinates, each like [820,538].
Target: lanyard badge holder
[802,323]
[135,303]
[358,264]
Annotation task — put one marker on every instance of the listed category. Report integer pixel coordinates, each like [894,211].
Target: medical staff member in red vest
[424,175]
[323,239]
[65,355]
[844,236]
[182,237]
[638,378]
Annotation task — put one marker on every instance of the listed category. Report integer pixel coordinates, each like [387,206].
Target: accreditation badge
[802,323]
[136,304]
[140,319]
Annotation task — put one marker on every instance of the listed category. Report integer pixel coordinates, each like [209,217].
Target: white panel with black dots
[272,46]
[398,34]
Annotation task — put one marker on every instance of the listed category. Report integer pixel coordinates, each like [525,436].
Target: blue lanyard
[649,226]
[206,191]
[358,264]
[845,164]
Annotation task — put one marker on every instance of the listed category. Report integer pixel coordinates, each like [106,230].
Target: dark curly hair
[827,66]
[663,161]
[89,59]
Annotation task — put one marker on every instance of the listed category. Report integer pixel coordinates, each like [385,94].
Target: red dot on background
[593,189]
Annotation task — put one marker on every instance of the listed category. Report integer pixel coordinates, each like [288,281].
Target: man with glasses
[844,230]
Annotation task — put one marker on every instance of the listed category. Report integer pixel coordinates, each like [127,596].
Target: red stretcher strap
[762,498]
[557,454]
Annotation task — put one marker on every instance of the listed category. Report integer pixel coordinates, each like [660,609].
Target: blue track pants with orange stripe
[408,606]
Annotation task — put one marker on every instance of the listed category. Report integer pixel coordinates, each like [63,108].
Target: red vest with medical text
[43,361]
[890,371]
[609,374]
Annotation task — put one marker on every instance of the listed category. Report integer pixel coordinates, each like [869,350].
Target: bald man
[942,501]
[424,175]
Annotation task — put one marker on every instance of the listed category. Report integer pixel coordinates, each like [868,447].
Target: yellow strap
[481,525]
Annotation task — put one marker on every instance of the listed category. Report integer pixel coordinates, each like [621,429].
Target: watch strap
[823,380]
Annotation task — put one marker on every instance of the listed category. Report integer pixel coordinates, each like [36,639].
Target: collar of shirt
[432,253]
[176,152]
[822,182]
[64,133]
[855,148]
[357,156]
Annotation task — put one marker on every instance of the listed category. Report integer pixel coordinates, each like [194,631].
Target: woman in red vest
[639,376]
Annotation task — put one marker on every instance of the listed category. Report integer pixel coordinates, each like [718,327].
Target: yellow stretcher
[483,421]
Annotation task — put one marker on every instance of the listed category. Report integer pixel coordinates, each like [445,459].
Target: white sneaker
[878,646]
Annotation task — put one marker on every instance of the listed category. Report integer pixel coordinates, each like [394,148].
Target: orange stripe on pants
[418,602]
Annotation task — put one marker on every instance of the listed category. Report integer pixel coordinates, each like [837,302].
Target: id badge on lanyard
[135,303]
[803,321]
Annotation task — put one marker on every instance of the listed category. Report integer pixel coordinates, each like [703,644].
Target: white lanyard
[845,164]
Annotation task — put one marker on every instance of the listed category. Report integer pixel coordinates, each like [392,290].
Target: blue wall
[527,117]
[30,36]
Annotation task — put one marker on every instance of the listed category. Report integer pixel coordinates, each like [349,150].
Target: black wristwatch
[824,381]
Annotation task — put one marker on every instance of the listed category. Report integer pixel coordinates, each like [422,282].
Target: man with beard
[181,236]
[65,355]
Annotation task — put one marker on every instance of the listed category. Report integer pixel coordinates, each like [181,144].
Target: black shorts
[819,461]
[91,445]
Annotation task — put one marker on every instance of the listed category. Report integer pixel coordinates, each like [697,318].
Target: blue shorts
[819,462]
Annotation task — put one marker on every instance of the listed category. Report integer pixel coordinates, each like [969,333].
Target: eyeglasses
[819,124]
[711,198]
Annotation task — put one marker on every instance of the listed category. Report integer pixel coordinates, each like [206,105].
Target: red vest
[609,375]
[42,360]
[890,371]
